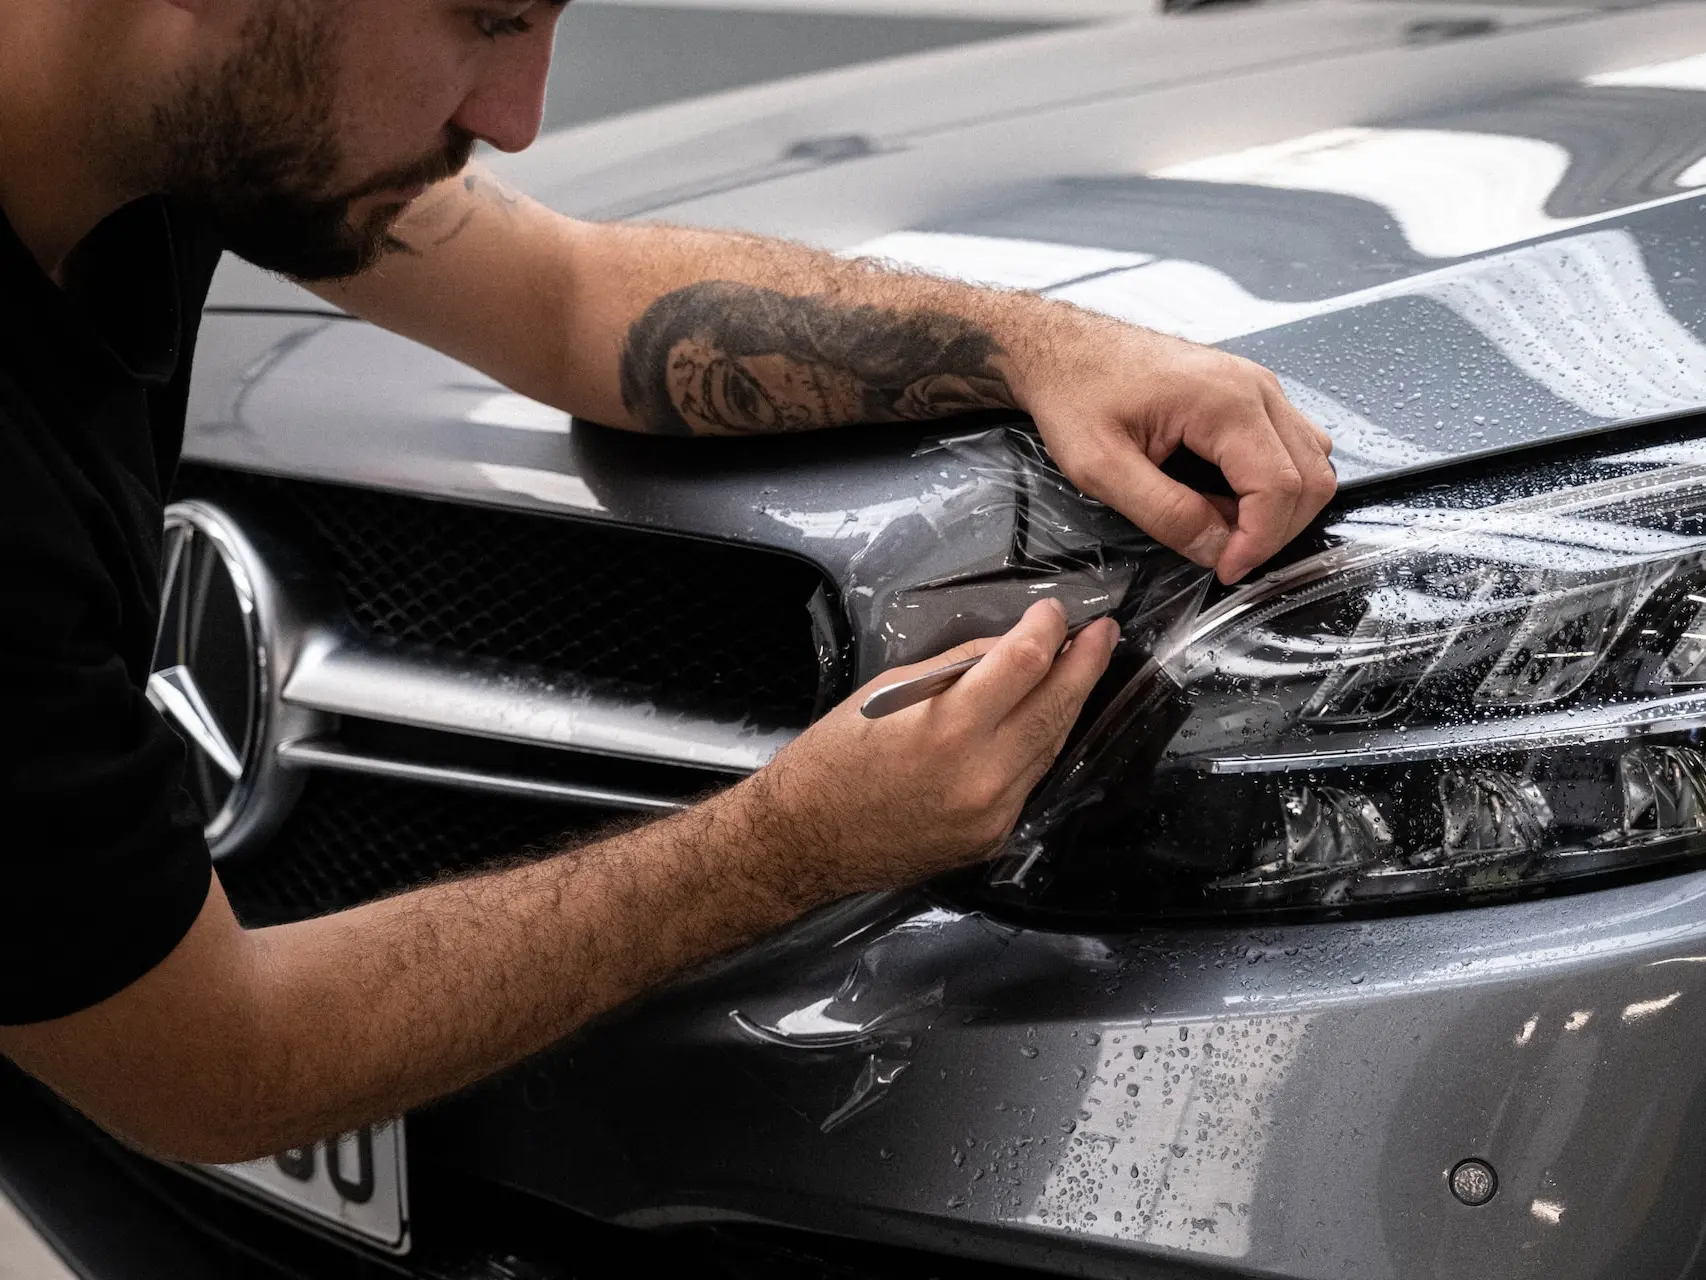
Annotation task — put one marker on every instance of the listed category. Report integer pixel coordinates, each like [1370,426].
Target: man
[330,140]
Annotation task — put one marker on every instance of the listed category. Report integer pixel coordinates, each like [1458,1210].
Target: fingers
[1226,409]
[1247,447]
[1275,459]
[1011,668]
[1174,514]
[960,652]
[1311,451]
[1046,715]
[936,785]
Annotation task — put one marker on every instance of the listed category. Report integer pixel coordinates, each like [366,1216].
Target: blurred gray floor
[22,1255]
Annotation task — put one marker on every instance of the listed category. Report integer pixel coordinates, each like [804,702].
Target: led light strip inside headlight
[1449,700]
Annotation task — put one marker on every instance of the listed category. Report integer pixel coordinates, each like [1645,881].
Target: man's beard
[251,147]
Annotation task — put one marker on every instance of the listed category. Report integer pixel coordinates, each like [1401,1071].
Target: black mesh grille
[350,839]
[702,626]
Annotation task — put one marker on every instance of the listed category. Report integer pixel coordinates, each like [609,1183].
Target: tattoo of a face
[721,358]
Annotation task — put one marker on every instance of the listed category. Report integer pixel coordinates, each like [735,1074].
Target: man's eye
[492,25]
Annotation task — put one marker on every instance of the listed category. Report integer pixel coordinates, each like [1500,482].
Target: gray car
[1361,929]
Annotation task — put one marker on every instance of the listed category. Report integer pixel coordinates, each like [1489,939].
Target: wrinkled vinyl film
[863,1026]
[1135,709]
[1003,528]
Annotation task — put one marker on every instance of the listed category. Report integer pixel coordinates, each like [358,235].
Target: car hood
[1450,229]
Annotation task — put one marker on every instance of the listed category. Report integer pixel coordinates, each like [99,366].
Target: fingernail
[1208,545]
[1113,630]
[1057,606]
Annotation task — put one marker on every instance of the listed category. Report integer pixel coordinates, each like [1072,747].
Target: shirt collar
[119,306]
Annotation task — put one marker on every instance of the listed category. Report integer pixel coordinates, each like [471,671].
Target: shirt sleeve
[103,867]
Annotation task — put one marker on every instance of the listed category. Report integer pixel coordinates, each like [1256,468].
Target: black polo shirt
[102,863]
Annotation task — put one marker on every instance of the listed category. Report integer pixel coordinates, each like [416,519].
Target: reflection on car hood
[1450,229]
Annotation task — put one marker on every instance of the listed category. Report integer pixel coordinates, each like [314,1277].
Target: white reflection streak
[1681,73]
[862,522]
[1624,932]
[1528,1028]
[546,486]
[1547,1211]
[1582,317]
[1646,1008]
[1554,530]
[814,1020]
[519,414]
[1694,175]
[1579,1019]
[1189,299]
[1452,193]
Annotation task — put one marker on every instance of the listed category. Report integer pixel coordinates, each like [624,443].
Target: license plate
[356,1183]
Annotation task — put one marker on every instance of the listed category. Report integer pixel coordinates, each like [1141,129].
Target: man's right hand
[245,1042]
[858,804]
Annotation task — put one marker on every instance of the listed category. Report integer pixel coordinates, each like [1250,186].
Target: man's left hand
[1114,402]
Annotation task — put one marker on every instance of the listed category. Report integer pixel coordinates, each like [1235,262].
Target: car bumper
[917,1077]
[111,1214]
[1285,1100]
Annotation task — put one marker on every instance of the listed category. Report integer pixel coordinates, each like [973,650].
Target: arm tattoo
[733,359]
[438,219]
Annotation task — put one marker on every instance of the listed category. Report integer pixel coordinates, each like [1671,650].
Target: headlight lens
[1475,691]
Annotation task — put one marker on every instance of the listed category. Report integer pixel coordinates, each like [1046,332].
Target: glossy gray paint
[1304,1092]
[857,1073]
[613,58]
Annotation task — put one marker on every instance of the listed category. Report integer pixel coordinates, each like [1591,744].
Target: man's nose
[506,106]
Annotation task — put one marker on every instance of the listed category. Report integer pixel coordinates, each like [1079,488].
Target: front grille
[351,839]
[708,628]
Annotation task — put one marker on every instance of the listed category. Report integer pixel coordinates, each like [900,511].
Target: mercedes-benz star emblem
[212,665]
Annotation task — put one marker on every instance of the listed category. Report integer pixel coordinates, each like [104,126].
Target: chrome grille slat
[334,674]
[330,755]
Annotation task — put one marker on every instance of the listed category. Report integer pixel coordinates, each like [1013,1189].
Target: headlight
[1484,688]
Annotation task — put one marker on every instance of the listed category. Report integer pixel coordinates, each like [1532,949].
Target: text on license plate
[357,1183]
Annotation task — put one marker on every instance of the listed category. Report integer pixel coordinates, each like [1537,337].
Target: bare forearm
[677,330]
[241,1044]
[681,331]
[380,1008]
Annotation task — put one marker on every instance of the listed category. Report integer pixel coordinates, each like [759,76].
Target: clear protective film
[854,1021]
[1485,687]
[1003,529]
